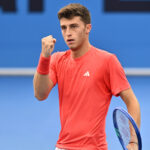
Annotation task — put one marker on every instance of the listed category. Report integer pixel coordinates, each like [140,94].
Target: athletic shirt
[86,85]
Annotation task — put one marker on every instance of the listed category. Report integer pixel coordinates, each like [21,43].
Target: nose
[68,32]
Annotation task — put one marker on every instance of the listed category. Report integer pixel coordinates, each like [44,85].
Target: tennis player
[87,78]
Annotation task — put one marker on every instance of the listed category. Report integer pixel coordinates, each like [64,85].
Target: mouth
[70,40]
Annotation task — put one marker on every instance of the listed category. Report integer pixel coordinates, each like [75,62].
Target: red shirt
[86,85]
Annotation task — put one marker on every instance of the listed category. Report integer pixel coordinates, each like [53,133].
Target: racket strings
[126,130]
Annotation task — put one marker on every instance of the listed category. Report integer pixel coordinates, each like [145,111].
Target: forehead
[74,20]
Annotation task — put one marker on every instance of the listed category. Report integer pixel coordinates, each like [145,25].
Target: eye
[73,26]
[63,27]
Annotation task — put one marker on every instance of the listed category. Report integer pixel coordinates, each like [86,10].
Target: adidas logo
[87,74]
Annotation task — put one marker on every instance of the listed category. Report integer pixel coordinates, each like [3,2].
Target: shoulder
[57,56]
[106,58]
[103,54]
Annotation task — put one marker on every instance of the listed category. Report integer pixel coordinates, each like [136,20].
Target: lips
[70,40]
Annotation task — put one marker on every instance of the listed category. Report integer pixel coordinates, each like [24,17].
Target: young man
[87,79]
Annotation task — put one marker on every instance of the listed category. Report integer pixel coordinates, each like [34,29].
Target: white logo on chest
[86,74]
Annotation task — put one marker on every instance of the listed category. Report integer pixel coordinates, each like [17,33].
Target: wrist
[47,55]
[43,65]
[132,142]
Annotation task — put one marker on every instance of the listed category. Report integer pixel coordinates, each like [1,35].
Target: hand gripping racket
[126,129]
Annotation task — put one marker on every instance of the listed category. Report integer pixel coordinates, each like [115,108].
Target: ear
[88,28]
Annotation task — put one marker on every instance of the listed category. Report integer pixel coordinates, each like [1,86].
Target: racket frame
[133,124]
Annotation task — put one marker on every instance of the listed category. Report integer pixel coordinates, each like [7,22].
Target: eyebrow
[70,25]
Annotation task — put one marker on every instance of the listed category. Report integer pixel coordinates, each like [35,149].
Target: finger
[49,37]
[54,40]
[49,44]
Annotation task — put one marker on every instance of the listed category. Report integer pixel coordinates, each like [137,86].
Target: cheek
[82,36]
[63,34]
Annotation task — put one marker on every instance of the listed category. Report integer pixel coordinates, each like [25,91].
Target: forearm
[132,105]
[42,86]
[134,111]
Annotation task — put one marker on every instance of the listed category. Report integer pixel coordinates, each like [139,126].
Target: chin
[73,48]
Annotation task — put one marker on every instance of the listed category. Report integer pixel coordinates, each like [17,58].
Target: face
[75,32]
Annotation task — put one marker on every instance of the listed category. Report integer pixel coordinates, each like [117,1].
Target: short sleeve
[53,71]
[118,80]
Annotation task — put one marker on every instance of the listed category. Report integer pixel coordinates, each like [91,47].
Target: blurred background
[27,124]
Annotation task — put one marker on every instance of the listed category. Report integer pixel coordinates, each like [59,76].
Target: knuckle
[50,36]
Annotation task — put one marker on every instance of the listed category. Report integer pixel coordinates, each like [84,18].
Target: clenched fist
[48,45]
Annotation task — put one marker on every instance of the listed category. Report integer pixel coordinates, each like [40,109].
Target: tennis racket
[126,129]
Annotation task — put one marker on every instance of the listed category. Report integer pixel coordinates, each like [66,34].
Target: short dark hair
[75,9]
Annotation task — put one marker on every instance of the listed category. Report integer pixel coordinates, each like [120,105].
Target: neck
[80,51]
